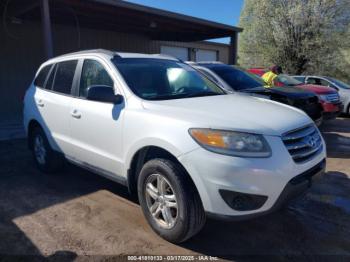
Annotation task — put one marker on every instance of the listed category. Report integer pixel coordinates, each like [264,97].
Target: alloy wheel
[161,201]
[39,149]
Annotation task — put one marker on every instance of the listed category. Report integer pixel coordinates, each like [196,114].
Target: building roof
[156,11]
[121,16]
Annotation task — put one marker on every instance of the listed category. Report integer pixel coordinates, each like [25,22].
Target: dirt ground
[77,214]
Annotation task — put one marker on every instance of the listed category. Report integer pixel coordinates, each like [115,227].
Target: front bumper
[331,110]
[267,177]
[294,188]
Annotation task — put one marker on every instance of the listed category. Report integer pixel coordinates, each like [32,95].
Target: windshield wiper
[182,95]
[204,93]
[167,96]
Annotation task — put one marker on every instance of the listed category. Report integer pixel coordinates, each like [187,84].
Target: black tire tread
[196,215]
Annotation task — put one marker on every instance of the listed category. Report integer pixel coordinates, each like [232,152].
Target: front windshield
[236,78]
[339,83]
[288,80]
[159,79]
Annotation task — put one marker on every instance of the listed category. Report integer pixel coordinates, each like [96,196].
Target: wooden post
[46,27]
[233,49]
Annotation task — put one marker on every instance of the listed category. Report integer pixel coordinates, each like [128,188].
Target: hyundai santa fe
[156,125]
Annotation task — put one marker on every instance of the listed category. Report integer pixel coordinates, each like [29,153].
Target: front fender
[151,141]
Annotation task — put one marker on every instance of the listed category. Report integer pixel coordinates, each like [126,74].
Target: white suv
[157,126]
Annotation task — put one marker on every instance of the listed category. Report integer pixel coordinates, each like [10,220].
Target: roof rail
[165,55]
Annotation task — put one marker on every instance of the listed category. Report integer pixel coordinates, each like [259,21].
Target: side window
[41,77]
[313,81]
[93,73]
[64,76]
[326,83]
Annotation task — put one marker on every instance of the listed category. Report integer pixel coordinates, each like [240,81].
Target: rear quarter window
[64,76]
[42,76]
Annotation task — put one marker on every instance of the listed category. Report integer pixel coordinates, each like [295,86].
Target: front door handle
[75,113]
[40,103]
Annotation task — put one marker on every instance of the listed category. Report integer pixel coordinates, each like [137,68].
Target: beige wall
[22,51]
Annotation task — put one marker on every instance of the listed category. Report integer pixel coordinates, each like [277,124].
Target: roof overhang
[121,16]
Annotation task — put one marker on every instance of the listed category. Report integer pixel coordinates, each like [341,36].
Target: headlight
[329,98]
[324,98]
[231,143]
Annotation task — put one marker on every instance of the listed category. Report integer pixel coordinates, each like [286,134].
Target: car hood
[239,112]
[320,90]
[292,92]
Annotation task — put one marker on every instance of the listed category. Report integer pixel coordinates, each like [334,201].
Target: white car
[159,127]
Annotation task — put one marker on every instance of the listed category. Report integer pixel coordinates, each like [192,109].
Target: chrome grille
[303,143]
[333,98]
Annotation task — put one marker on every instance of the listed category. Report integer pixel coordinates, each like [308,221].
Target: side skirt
[98,171]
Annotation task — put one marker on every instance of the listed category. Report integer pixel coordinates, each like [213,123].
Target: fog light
[241,201]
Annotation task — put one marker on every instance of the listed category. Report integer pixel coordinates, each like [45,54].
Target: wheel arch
[34,123]
[143,155]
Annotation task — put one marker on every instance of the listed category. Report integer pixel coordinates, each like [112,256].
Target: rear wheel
[169,201]
[45,157]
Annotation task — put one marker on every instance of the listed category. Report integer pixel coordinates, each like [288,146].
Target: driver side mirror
[105,94]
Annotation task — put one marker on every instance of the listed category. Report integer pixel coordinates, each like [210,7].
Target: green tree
[303,36]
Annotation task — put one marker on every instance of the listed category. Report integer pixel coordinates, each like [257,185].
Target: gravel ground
[76,214]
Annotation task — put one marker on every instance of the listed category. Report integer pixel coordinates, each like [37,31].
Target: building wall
[22,52]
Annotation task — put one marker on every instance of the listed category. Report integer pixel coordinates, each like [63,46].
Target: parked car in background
[329,97]
[257,71]
[233,78]
[174,137]
[342,87]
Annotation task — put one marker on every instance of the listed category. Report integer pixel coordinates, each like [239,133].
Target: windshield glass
[288,80]
[238,79]
[159,79]
[339,83]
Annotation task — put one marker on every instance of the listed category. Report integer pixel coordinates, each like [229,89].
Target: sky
[222,11]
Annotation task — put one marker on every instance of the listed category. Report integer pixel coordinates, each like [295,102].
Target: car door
[96,127]
[54,103]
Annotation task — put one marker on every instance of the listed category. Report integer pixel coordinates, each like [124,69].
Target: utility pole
[46,27]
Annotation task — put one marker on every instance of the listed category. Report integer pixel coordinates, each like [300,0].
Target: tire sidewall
[50,158]
[180,226]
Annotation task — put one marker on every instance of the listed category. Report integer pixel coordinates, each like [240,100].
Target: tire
[45,158]
[187,218]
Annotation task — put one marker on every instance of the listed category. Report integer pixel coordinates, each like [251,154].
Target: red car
[329,97]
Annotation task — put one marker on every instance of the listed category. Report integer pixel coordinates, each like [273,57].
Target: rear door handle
[75,113]
[40,103]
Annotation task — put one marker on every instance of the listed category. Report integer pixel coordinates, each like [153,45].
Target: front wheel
[169,201]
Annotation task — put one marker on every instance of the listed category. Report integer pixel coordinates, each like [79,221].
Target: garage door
[178,52]
[206,55]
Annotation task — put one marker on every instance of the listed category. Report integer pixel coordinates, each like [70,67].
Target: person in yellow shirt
[270,75]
